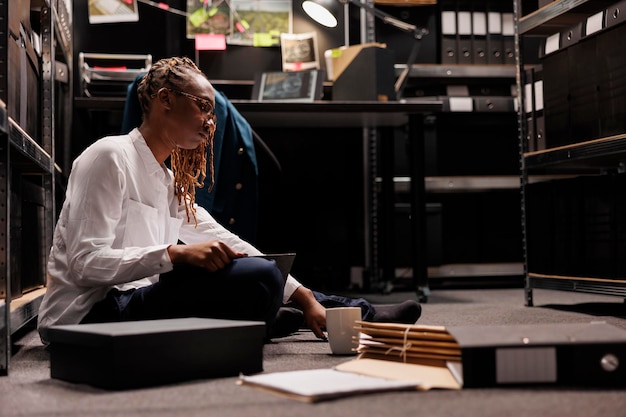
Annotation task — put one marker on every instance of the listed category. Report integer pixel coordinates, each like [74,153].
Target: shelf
[475,104]
[604,153]
[25,308]
[362,114]
[477,270]
[472,184]
[599,156]
[470,270]
[100,103]
[32,153]
[559,14]
[457,71]
[459,184]
[449,71]
[312,114]
[616,287]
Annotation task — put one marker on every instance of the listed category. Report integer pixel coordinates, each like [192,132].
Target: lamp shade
[322,11]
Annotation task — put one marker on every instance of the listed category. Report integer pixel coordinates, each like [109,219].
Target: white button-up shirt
[119,216]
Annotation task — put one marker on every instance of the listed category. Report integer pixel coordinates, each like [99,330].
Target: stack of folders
[533,109]
[477,32]
[585,102]
[420,344]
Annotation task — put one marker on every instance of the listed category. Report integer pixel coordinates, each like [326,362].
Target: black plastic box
[155,352]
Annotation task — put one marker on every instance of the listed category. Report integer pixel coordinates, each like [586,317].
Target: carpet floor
[29,391]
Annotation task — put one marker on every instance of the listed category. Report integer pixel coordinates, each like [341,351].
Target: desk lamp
[320,11]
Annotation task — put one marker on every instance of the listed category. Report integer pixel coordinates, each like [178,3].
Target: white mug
[340,327]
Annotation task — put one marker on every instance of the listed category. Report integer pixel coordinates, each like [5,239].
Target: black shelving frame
[597,156]
[23,155]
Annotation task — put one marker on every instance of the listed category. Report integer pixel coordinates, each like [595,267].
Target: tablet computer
[284,261]
[292,86]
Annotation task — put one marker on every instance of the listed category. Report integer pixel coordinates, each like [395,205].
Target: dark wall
[315,206]
[163,34]
[157,33]
[242,62]
[424,17]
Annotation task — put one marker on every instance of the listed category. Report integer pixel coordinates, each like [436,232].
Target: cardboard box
[19,14]
[363,72]
[155,352]
[338,59]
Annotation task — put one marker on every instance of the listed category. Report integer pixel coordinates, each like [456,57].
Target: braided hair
[188,165]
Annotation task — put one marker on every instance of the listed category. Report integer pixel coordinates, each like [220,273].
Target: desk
[366,114]
[369,115]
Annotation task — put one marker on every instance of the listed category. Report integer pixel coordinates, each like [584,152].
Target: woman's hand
[212,255]
[314,312]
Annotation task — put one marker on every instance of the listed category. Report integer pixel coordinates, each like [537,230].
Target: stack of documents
[410,344]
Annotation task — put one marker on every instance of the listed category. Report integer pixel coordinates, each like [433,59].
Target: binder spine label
[526,365]
[594,23]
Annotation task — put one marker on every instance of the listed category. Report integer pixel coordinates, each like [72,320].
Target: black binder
[612,80]
[555,95]
[528,110]
[448,32]
[583,91]
[538,112]
[508,33]
[479,34]
[569,354]
[493,104]
[615,14]
[571,35]
[495,45]
[464,32]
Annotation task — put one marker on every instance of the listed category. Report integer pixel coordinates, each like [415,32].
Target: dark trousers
[329,301]
[247,289]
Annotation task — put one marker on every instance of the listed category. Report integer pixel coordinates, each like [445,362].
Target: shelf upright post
[370,142]
[5,281]
[5,197]
[521,132]
[48,128]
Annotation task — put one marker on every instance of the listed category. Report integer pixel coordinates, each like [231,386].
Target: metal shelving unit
[30,154]
[597,156]
[473,80]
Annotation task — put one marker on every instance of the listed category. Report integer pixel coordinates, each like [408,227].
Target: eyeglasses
[204,104]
